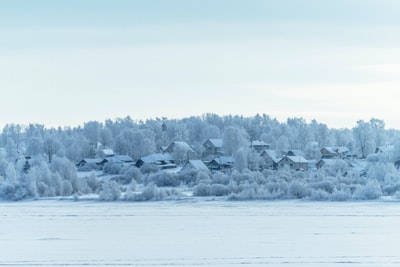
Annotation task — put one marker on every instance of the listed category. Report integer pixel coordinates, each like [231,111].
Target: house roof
[384,149]
[92,161]
[156,158]
[296,152]
[258,143]
[120,158]
[360,164]
[343,149]
[336,149]
[333,162]
[216,142]
[197,165]
[329,149]
[108,152]
[296,159]
[182,145]
[224,160]
[271,153]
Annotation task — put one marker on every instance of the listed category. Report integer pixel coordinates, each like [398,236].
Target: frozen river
[199,233]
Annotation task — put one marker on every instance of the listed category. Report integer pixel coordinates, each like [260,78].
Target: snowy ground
[199,233]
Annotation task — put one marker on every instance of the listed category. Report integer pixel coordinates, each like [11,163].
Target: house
[164,161]
[212,147]
[397,164]
[221,163]
[334,152]
[384,149]
[121,159]
[259,146]
[343,151]
[334,166]
[360,166]
[105,153]
[296,153]
[294,162]
[195,165]
[328,152]
[181,151]
[91,164]
[270,159]
[333,163]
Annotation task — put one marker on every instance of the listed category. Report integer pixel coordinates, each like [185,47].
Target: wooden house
[91,164]
[105,153]
[163,161]
[384,149]
[294,162]
[334,152]
[212,147]
[181,151]
[120,159]
[270,159]
[195,165]
[259,146]
[296,153]
[221,163]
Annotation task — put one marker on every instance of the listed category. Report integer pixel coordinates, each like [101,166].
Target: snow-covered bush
[203,178]
[278,189]
[149,168]
[219,190]
[12,192]
[112,168]
[202,190]
[340,195]
[130,174]
[188,177]
[248,191]
[110,191]
[220,178]
[66,188]
[372,190]
[319,195]
[151,192]
[92,182]
[299,190]
[327,186]
[163,178]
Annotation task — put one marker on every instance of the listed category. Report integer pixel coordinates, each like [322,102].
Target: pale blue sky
[67,62]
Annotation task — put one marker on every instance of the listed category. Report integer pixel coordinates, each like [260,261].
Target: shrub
[372,190]
[298,189]
[219,190]
[202,190]
[112,168]
[151,192]
[131,173]
[110,191]
[148,168]
[164,179]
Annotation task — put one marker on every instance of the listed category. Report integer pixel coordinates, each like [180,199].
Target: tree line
[53,153]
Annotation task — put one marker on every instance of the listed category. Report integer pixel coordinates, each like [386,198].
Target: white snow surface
[199,232]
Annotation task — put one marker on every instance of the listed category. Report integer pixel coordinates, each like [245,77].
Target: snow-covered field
[199,232]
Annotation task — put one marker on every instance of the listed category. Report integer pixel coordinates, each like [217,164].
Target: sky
[66,62]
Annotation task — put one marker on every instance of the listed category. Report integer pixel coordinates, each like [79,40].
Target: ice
[199,233]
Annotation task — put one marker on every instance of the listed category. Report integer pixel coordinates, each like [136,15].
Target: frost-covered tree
[143,143]
[242,159]
[110,191]
[51,145]
[364,138]
[233,139]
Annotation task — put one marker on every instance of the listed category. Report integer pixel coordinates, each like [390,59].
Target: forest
[40,162]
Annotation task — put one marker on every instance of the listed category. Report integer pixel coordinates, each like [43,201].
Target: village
[179,156]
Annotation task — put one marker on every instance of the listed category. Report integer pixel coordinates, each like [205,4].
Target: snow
[199,232]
